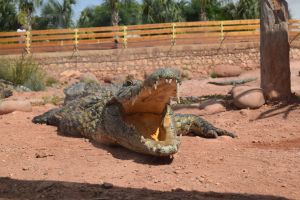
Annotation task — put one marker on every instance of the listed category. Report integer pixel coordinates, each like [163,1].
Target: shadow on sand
[280,109]
[21,189]
[122,153]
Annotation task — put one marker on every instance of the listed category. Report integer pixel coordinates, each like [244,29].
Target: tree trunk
[28,20]
[202,11]
[115,17]
[274,50]
[202,15]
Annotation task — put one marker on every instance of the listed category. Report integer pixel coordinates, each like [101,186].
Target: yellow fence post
[173,34]
[222,30]
[125,36]
[76,42]
[28,42]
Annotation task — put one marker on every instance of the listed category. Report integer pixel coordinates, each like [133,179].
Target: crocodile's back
[84,115]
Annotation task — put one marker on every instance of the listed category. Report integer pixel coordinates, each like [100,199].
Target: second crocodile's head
[144,118]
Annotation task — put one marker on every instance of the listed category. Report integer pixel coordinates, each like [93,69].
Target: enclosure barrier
[112,37]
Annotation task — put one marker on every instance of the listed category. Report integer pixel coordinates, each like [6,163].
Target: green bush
[213,75]
[23,71]
[50,81]
[55,100]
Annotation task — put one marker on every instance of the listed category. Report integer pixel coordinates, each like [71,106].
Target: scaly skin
[233,82]
[135,115]
[5,90]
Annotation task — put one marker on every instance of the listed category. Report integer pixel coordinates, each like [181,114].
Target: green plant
[213,75]
[50,81]
[185,75]
[55,100]
[24,71]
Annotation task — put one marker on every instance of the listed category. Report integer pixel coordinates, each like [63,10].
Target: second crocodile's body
[136,115]
[5,90]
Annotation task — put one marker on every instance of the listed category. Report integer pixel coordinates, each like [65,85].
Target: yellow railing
[236,31]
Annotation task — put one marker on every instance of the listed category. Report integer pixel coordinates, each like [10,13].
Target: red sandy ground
[262,163]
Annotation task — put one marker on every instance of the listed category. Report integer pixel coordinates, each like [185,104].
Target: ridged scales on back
[5,90]
[136,114]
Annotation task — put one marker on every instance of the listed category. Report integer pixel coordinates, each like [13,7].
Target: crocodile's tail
[48,118]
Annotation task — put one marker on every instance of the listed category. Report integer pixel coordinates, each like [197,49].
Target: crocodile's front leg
[188,123]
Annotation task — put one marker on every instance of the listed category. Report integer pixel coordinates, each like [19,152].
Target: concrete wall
[193,60]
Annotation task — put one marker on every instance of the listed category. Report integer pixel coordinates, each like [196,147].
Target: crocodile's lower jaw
[147,112]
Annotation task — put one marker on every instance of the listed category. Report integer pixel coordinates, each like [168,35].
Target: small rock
[245,112]
[25,168]
[212,107]
[248,97]
[200,179]
[107,185]
[10,106]
[70,74]
[42,155]
[227,70]
[86,140]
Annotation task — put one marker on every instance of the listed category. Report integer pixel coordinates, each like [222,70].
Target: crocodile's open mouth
[148,111]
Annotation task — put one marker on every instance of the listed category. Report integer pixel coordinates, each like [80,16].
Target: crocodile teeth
[133,101]
[166,80]
[170,81]
[143,140]
[155,86]
[153,149]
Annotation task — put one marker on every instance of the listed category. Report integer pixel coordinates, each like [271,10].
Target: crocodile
[136,114]
[233,82]
[5,90]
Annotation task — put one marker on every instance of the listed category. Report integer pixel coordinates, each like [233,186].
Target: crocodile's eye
[128,83]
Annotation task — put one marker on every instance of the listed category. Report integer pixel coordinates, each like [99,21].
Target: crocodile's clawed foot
[210,132]
[188,123]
